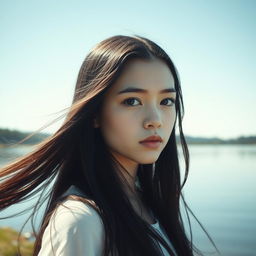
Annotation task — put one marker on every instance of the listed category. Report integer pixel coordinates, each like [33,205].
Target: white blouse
[77,229]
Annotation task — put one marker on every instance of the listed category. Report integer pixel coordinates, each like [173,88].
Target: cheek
[170,115]
[170,121]
[117,125]
[173,118]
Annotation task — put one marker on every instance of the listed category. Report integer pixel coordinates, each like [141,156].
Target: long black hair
[70,157]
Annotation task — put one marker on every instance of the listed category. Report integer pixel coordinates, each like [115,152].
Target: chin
[150,160]
[147,162]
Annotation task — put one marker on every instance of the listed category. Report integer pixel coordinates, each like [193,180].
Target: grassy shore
[9,243]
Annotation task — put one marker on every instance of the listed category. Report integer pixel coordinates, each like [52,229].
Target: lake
[220,190]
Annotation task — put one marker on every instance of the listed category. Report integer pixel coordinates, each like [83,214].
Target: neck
[128,172]
[130,187]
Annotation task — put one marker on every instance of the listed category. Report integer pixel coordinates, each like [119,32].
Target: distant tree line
[218,141]
[14,136]
[8,136]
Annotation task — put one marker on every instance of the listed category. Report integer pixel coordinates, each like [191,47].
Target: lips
[154,138]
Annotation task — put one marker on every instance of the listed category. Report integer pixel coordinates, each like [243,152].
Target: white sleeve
[76,231]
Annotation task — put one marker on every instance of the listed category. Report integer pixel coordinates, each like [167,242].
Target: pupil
[131,101]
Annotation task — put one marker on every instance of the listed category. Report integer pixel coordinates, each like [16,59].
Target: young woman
[113,166]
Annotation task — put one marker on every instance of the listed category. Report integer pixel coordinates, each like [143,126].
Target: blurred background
[212,43]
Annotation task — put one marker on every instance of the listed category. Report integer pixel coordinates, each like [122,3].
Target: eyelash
[126,100]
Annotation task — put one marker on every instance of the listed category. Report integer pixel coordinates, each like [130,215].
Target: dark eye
[171,101]
[130,102]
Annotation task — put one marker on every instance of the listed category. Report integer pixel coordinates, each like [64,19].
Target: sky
[212,43]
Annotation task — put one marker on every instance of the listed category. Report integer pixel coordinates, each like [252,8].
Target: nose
[153,120]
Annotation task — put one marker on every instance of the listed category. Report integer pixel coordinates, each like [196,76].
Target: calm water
[220,191]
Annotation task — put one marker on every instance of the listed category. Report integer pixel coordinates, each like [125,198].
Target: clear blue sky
[212,43]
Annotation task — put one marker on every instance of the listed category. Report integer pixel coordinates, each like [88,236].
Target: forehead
[151,75]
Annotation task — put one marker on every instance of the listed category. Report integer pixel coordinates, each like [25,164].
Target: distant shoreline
[10,137]
[188,142]
[243,140]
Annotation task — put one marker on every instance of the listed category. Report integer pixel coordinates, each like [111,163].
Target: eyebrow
[139,90]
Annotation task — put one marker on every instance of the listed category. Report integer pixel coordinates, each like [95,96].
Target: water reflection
[220,190]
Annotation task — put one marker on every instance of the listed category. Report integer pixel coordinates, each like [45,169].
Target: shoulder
[75,228]
[73,213]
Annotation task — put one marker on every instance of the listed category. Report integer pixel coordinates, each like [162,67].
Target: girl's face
[130,117]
